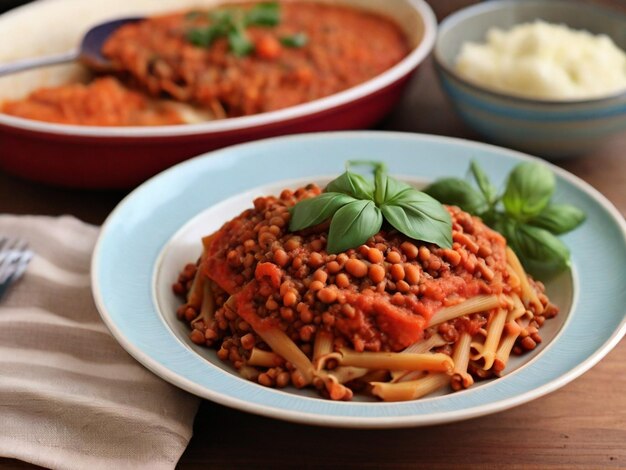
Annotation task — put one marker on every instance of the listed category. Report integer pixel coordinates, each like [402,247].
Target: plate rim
[342,420]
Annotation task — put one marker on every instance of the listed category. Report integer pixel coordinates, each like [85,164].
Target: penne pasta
[282,345]
[518,310]
[409,375]
[514,280]
[425,345]
[323,345]
[375,376]
[206,243]
[336,390]
[476,304]
[419,348]
[529,296]
[487,350]
[249,373]
[345,374]
[410,390]
[207,307]
[460,377]
[261,358]
[396,361]
[512,331]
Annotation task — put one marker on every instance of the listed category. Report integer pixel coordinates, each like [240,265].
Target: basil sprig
[523,213]
[295,40]
[231,23]
[358,208]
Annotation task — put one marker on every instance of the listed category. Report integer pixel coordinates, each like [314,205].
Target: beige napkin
[70,396]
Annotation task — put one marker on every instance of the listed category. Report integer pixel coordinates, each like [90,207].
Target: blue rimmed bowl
[551,129]
[157,228]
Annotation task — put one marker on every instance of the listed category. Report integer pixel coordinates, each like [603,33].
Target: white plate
[157,229]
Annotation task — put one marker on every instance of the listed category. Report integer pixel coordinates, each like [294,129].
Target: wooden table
[582,425]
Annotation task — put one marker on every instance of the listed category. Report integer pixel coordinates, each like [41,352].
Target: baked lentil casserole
[236,60]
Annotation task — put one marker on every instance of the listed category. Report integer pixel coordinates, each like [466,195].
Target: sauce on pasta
[391,315]
[103,102]
[155,59]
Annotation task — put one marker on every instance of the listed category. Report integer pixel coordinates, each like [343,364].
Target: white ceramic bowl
[553,129]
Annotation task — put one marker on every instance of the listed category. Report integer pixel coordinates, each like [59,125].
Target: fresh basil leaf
[353,225]
[379,170]
[419,216]
[225,16]
[458,192]
[295,40]
[263,14]
[559,218]
[204,37]
[388,188]
[377,167]
[200,37]
[316,210]
[528,191]
[542,254]
[231,23]
[380,185]
[239,43]
[491,217]
[489,191]
[351,184]
[499,221]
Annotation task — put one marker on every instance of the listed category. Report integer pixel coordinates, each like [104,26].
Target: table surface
[581,425]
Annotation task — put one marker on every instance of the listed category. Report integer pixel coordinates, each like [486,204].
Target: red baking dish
[122,157]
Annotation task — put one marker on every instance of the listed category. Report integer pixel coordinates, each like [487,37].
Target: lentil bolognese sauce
[235,60]
[103,102]
[393,317]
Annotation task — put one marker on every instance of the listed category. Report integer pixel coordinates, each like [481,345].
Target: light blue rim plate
[137,230]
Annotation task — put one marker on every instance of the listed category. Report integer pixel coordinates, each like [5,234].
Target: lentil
[394,257]
[376,273]
[356,268]
[378,297]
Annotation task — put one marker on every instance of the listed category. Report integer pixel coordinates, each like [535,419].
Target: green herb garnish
[358,207]
[193,15]
[239,43]
[263,14]
[295,40]
[524,213]
[231,23]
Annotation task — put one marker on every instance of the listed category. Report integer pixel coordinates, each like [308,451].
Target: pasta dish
[394,317]
[236,59]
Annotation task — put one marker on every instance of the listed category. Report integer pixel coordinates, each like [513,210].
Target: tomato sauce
[104,102]
[288,280]
[345,47]
[155,59]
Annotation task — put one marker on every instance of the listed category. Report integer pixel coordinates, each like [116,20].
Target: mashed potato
[545,61]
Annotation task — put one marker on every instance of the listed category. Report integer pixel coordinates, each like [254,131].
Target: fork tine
[22,263]
[20,245]
[13,252]
[14,257]
[6,245]
[5,260]
[4,285]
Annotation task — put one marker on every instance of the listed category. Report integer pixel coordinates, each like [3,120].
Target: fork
[14,257]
